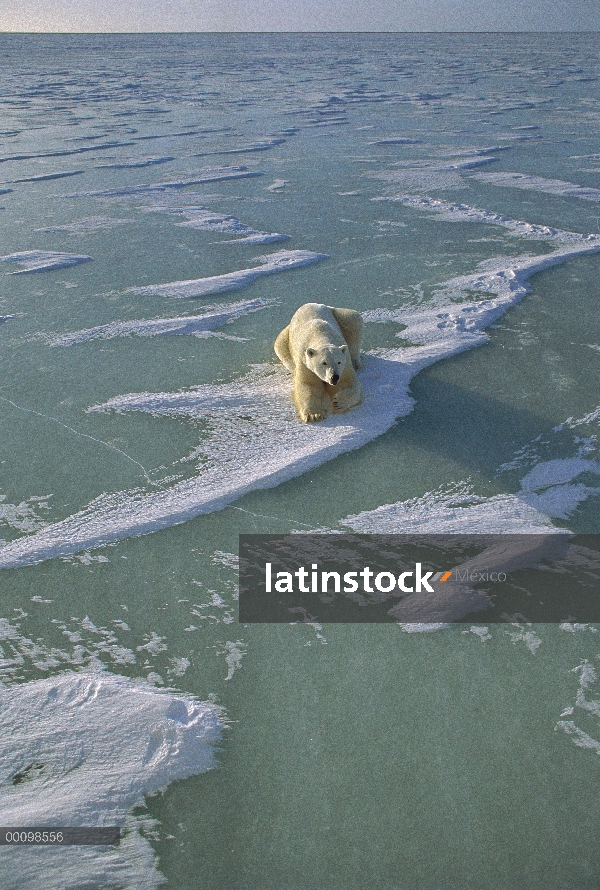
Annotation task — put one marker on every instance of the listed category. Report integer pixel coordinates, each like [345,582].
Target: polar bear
[321,346]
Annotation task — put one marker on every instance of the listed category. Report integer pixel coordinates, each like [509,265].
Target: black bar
[539,578]
[56,836]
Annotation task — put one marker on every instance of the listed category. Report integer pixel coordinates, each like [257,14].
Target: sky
[298,15]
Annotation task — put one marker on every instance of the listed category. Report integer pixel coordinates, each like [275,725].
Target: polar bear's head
[327,361]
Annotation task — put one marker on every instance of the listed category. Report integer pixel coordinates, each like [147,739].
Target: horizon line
[356,31]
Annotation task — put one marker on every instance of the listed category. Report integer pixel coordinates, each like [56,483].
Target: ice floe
[590,417]
[207,174]
[588,677]
[261,145]
[67,151]
[196,325]
[540,184]
[42,177]
[23,517]
[547,492]
[43,260]
[259,238]
[59,768]
[432,173]
[271,263]
[197,217]
[151,136]
[127,163]
[503,281]
[450,212]
[395,140]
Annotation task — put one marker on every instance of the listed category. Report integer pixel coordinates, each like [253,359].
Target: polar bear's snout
[335,378]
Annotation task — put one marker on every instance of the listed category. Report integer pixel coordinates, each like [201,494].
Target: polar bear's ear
[310,352]
[344,348]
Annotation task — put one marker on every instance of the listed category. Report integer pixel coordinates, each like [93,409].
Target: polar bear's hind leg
[282,349]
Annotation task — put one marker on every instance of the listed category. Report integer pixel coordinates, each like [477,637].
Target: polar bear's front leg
[310,401]
[349,392]
[348,398]
[310,397]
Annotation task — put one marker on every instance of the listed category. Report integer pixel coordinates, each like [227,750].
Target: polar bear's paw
[311,416]
[347,398]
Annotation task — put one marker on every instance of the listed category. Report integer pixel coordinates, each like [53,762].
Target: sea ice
[216,284]
[59,767]
[213,317]
[43,260]
[540,184]
[239,451]
[207,174]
